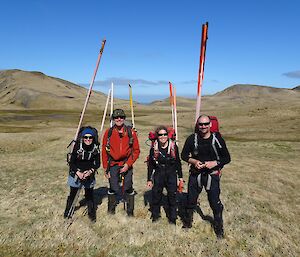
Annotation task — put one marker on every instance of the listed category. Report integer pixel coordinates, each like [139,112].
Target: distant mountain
[35,90]
[296,88]
[239,94]
[254,91]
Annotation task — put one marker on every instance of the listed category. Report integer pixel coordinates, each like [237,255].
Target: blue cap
[88,131]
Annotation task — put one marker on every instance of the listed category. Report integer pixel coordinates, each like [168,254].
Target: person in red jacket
[120,149]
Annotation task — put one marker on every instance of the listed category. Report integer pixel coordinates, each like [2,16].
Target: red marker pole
[201,68]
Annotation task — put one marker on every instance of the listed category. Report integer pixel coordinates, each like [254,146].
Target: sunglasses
[203,123]
[119,117]
[164,134]
[88,137]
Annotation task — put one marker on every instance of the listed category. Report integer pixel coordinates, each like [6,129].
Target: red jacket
[120,150]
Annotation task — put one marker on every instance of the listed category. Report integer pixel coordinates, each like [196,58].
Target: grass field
[260,189]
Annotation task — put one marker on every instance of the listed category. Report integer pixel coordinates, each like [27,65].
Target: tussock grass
[259,191]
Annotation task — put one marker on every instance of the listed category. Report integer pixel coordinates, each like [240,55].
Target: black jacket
[84,160]
[205,151]
[164,161]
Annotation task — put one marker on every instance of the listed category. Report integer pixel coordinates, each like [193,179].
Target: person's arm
[73,166]
[150,164]
[224,153]
[96,162]
[135,150]
[187,152]
[187,148]
[104,153]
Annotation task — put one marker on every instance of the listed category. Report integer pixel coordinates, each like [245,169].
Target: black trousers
[213,194]
[88,193]
[168,179]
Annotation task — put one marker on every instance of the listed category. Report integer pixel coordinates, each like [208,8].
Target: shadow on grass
[99,194]
[181,201]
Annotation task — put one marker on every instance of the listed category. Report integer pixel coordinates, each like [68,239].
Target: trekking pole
[111,102]
[175,114]
[172,103]
[88,96]
[123,191]
[131,106]
[201,68]
[104,115]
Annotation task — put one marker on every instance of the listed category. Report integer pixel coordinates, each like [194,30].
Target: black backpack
[78,141]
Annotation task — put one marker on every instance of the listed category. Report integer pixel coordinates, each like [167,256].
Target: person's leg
[216,205]
[193,192]
[70,199]
[171,186]
[89,196]
[129,192]
[113,189]
[157,190]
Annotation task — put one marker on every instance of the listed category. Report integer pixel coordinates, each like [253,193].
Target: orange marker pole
[201,68]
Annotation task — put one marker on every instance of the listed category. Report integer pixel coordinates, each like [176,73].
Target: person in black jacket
[85,160]
[206,153]
[164,166]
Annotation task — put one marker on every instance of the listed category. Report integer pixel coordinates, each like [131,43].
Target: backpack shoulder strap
[214,141]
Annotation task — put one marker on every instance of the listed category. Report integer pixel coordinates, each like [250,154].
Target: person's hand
[199,165]
[180,181]
[80,175]
[87,173]
[211,164]
[107,175]
[149,184]
[124,168]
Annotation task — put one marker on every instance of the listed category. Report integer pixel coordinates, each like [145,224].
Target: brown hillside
[254,91]
[35,90]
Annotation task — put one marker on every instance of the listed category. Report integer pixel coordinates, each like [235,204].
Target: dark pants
[88,193]
[168,179]
[89,199]
[213,194]
[116,182]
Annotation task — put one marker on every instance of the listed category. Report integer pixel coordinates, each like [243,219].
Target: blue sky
[152,42]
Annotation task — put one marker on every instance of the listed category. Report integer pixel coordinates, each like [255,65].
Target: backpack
[78,141]
[214,124]
[154,143]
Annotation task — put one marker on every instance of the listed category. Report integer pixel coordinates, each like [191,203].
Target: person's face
[119,121]
[204,125]
[162,136]
[88,139]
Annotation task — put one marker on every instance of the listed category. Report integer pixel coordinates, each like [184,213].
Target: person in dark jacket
[164,166]
[85,160]
[206,153]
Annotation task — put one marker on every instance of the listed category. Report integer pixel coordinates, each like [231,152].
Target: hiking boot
[91,211]
[155,219]
[218,224]
[112,202]
[172,221]
[130,205]
[188,219]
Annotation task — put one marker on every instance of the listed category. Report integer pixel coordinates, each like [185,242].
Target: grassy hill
[259,187]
